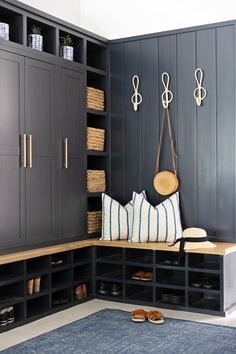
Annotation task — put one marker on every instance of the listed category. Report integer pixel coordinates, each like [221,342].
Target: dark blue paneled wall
[204,136]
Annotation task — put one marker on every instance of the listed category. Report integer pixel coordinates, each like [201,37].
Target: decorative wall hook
[136,99]
[167,96]
[199,93]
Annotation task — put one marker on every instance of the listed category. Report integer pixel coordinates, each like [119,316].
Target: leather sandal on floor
[138,315]
[148,276]
[139,275]
[155,317]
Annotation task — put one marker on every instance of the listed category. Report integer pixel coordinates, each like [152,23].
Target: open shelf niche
[97,77]
[15,22]
[48,33]
[77,44]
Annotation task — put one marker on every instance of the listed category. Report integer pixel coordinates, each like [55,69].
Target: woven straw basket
[95,99]
[96,181]
[95,139]
[166,182]
[94,221]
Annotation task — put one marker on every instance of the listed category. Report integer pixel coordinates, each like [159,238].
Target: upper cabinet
[12,172]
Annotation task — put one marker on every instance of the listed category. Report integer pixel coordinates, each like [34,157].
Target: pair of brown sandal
[140,316]
[144,276]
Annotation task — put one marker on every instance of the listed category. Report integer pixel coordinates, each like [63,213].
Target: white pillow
[117,219]
[156,224]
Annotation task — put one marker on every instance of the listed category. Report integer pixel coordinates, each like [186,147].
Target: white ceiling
[122,18]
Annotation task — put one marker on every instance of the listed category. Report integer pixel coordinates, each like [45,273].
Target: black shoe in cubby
[3,317]
[10,315]
[103,288]
[116,290]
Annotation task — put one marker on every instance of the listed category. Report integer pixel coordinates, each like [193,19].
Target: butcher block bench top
[221,248]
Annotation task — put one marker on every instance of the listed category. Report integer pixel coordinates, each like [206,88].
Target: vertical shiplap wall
[204,136]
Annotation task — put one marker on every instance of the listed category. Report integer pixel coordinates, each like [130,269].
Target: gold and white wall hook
[167,96]
[200,92]
[136,99]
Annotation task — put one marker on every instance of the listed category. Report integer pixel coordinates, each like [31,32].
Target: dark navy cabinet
[40,114]
[12,173]
[71,165]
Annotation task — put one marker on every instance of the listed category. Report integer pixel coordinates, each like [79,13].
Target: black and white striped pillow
[156,224]
[117,219]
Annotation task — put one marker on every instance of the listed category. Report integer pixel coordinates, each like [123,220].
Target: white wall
[123,18]
[67,10]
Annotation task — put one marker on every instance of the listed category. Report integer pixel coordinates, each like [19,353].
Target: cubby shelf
[97,71]
[169,281]
[94,195]
[97,153]
[97,113]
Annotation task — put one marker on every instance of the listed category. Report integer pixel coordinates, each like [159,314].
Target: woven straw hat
[196,232]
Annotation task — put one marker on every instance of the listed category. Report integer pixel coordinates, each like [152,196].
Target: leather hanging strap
[173,154]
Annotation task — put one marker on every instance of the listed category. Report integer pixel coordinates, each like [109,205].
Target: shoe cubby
[203,280]
[109,289]
[15,22]
[82,256]
[38,306]
[48,32]
[132,274]
[37,266]
[109,272]
[206,262]
[137,256]
[82,274]
[97,55]
[139,293]
[81,296]
[62,260]
[109,255]
[19,313]
[170,277]
[61,280]
[204,300]
[12,294]
[169,259]
[61,297]
[169,296]
[43,287]
[77,44]
[10,273]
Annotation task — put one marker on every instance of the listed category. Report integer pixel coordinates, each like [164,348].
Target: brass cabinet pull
[30,151]
[24,150]
[66,152]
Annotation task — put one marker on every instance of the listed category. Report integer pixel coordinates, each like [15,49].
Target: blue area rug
[112,331]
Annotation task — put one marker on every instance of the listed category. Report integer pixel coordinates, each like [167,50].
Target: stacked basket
[94,221]
[96,181]
[95,139]
[95,99]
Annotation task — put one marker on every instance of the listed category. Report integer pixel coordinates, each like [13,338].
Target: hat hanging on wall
[136,99]
[166,182]
[200,92]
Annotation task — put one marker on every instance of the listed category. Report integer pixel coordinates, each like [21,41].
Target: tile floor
[49,323]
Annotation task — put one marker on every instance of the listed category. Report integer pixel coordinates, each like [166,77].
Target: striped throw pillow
[117,219]
[156,224]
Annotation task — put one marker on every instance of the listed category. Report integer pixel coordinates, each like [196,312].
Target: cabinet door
[12,202]
[40,128]
[73,176]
